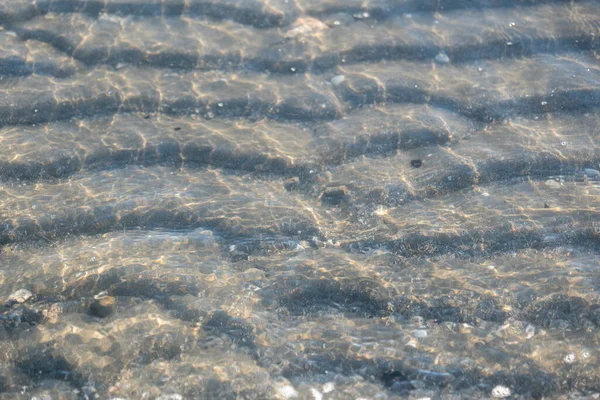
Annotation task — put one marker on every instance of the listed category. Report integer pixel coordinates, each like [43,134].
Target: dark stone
[392,377]
[291,184]
[103,307]
[416,163]
[335,196]
[239,257]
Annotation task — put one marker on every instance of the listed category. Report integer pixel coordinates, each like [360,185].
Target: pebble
[501,392]
[335,195]
[20,296]
[44,396]
[316,394]
[416,163]
[174,396]
[530,331]
[103,307]
[570,358]
[288,392]
[591,173]
[328,387]
[434,376]
[337,80]
[89,392]
[420,333]
[552,184]
[585,354]
[442,58]
[291,184]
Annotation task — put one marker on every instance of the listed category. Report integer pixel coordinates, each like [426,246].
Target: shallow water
[279,199]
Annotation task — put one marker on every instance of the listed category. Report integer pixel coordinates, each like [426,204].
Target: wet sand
[299,199]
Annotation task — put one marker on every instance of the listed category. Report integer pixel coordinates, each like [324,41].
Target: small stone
[103,307]
[288,392]
[420,333]
[335,196]
[552,184]
[328,387]
[316,394]
[291,184]
[174,396]
[20,296]
[591,173]
[501,392]
[442,58]
[570,358]
[43,396]
[416,163]
[337,80]
[89,391]
[434,376]
[361,15]
[530,331]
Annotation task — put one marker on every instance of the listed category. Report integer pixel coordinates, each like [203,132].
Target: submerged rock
[20,296]
[103,307]
[335,196]
[338,80]
[501,392]
[291,184]
[442,58]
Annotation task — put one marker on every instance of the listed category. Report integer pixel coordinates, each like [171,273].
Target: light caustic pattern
[306,199]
